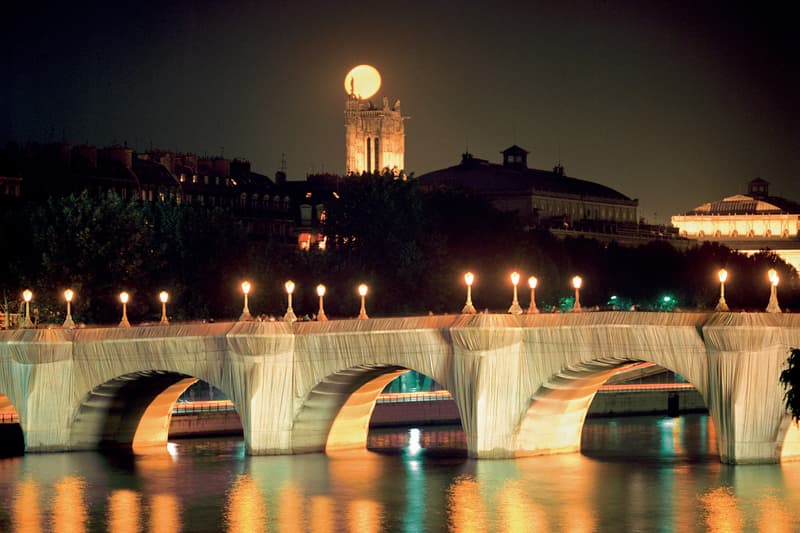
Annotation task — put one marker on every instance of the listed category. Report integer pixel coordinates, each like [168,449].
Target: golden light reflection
[364,516]
[465,508]
[246,511]
[518,512]
[722,511]
[578,520]
[124,510]
[165,513]
[69,509]
[27,517]
[290,509]
[323,516]
[773,516]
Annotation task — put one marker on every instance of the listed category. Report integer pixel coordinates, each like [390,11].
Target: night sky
[675,104]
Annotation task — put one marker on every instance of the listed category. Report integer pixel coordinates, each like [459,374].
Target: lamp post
[469,309]
[164,297]
[722,305]
[68,322]
[124,297]
[577,281]
[321,293]
[362,290]
[515,308]
[289,316]
[27,295]
[532,282]
[773,306]
[246,310]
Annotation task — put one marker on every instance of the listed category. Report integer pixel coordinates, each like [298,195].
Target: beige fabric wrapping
[522,383]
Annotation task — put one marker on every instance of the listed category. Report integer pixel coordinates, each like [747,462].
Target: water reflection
[69,511]
[661,475]
[245,510]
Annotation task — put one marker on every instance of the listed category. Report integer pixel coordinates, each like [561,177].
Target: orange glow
[27,295]
[69,510]
[290,509]
[362,82]
[27,516]
[68,295]
[577,281]
[773,516]
[323,517]
[320,290]
[364,516]
[362,290]
[246,511]
[518,512]
[246,287]
[124,297]
[165,513]
[350,428]
[723,275]
[124,510]
[163,296]
[773,277]
[469,278]
[532,282]
[289,286]
[153,428]
[515,278]
[465,508]
[722,511]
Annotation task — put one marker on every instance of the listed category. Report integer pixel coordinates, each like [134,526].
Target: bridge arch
[131,411]
[12,439]
[554,420]
[335,415]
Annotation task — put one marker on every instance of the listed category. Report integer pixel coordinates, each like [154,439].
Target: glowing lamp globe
[362,82]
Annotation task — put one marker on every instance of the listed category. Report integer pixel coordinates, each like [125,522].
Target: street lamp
[246,310]
[469,309]
[773,306]
[577,281]
[515,308]
[68,322]
[362,290]
[289,316]
[321,293]
[27,295]
[532,281]
[124,297]
[164,297]
[722,305]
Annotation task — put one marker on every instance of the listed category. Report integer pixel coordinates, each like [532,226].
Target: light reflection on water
[635,474]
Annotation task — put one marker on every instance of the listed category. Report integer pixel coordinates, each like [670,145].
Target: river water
[634,474]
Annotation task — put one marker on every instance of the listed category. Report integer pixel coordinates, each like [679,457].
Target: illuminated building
[374,136]
[747,223]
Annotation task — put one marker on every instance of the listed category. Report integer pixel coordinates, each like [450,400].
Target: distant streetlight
[27,295]
[164,297]
[124,297]
[68,322]
[246,310]
[362,290]
[321,293]
[532,282]
[773,306]
[577,281]
[289,316]
[515,308]
[722,305]
[469,309]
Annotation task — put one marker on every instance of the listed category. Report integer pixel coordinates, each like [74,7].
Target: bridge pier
[746,353]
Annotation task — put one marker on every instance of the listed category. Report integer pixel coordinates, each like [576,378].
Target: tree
[790,378]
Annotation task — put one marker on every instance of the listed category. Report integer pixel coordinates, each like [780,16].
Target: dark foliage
[790,378]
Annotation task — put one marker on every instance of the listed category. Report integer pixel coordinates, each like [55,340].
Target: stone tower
[374,137]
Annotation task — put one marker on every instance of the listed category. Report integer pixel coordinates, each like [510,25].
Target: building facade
[747,223]
[374,137]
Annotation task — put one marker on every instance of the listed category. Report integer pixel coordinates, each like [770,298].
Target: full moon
[362,81]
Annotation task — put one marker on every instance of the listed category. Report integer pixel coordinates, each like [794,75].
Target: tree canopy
[790,378]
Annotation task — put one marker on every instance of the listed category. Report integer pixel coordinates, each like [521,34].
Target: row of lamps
[469,308]
[772,306]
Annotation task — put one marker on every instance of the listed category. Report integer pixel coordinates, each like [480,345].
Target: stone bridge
[523,384]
